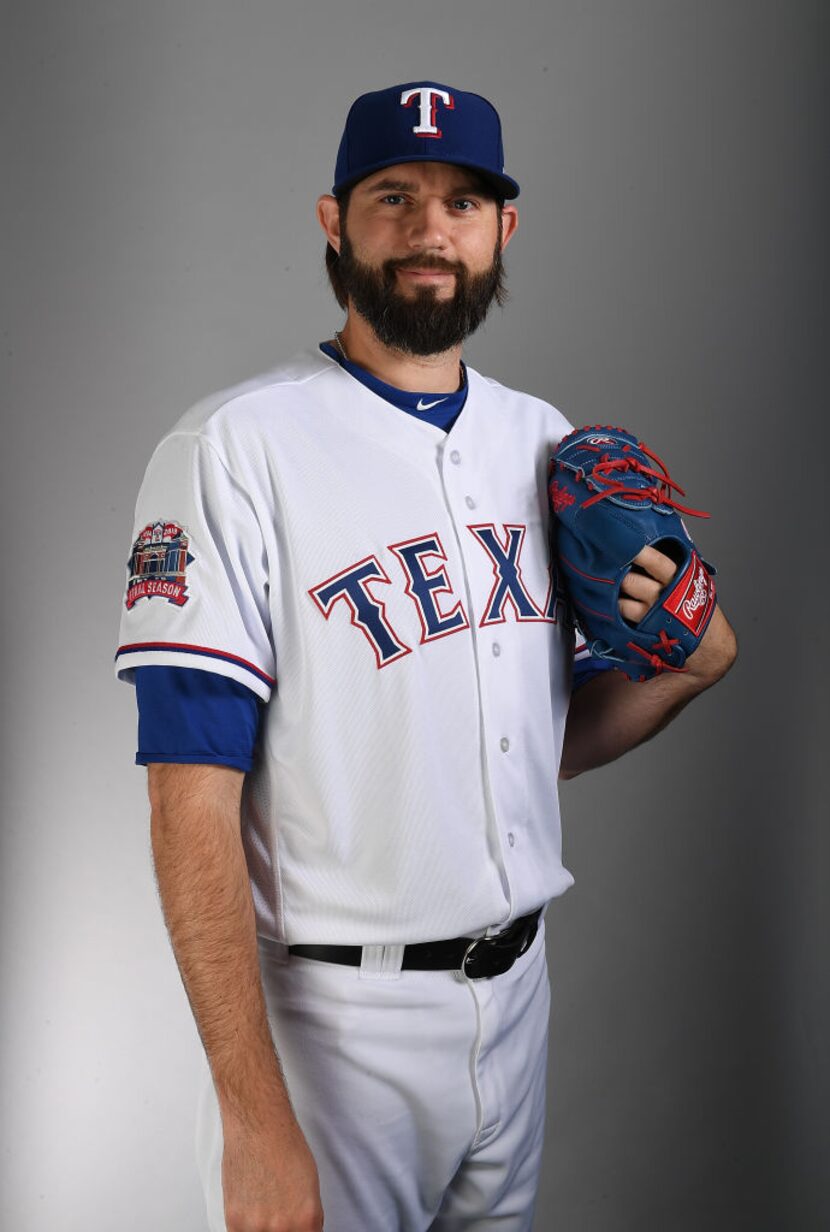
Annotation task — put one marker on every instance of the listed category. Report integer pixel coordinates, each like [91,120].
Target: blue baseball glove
[611,497]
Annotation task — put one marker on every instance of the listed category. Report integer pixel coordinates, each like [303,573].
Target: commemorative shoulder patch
[158,564]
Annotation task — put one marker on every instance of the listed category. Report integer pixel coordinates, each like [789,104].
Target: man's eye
[391,198]
[464,205]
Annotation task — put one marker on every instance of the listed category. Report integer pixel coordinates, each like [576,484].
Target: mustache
[425,263]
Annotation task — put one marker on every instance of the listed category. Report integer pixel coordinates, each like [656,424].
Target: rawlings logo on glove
[610,501]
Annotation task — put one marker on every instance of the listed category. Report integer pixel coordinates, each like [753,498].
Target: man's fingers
[633,611]
[657,564]
[644,583]
[638,586]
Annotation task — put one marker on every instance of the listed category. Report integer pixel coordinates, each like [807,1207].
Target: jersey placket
[505,781]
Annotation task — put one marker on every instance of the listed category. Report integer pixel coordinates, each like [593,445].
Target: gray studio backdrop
[160,165]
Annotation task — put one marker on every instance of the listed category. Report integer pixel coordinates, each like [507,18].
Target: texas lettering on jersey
[440,611]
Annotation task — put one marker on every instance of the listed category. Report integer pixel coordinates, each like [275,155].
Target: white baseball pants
[421,1093]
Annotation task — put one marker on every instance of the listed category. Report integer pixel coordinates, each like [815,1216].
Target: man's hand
[644,583]
[612,714]
[269,1181]
[269,1176]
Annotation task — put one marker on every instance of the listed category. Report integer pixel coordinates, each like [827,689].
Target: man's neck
[427,374]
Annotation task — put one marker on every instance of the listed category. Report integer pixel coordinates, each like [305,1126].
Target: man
[354,674]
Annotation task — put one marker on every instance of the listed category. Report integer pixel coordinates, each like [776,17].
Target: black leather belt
[478,957]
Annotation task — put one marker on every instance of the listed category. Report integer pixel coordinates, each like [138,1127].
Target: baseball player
[355,677]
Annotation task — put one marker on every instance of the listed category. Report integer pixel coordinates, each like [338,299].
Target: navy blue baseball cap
[422,121]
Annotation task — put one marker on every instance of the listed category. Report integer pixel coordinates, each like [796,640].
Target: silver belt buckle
[489,956]
[470,954]
[485,958]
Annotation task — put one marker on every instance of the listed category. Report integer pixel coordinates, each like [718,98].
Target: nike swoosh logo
[427,406]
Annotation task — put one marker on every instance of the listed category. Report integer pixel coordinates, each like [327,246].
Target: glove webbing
[659,493]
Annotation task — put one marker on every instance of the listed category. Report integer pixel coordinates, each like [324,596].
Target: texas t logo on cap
[450,126]
[428,98]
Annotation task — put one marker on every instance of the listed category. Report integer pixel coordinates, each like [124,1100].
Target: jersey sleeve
[195,717]
[197,576]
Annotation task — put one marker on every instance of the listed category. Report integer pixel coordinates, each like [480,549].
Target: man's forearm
[611,714]
[206,898]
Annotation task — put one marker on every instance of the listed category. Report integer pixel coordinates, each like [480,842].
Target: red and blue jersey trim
[207,652]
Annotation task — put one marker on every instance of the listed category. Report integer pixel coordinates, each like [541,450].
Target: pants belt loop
[381,962]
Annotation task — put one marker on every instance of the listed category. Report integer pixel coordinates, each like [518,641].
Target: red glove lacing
[664,643]
[659,492]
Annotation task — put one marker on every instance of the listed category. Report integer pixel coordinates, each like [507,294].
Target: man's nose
[428,225]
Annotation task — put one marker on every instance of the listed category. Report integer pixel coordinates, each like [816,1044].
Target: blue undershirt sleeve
[191,716]
[585,670]
[585,665]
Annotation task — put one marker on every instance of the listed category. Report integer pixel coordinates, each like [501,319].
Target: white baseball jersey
[387,588]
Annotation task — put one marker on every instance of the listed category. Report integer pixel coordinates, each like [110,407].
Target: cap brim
[504,186]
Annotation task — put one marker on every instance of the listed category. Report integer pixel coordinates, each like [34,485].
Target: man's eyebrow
[391,186]
[468,189]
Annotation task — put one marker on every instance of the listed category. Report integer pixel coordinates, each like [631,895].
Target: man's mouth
[426,276]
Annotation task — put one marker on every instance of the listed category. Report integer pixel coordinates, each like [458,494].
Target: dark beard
[422,324]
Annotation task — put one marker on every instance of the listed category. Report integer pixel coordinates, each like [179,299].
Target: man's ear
[509,223]
[328,216]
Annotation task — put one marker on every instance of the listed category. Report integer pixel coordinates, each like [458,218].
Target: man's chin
[425,296]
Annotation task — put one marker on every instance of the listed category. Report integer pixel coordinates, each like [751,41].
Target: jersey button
[511,838]
[496,648]
[455,457]
[504,744]
[469,502]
